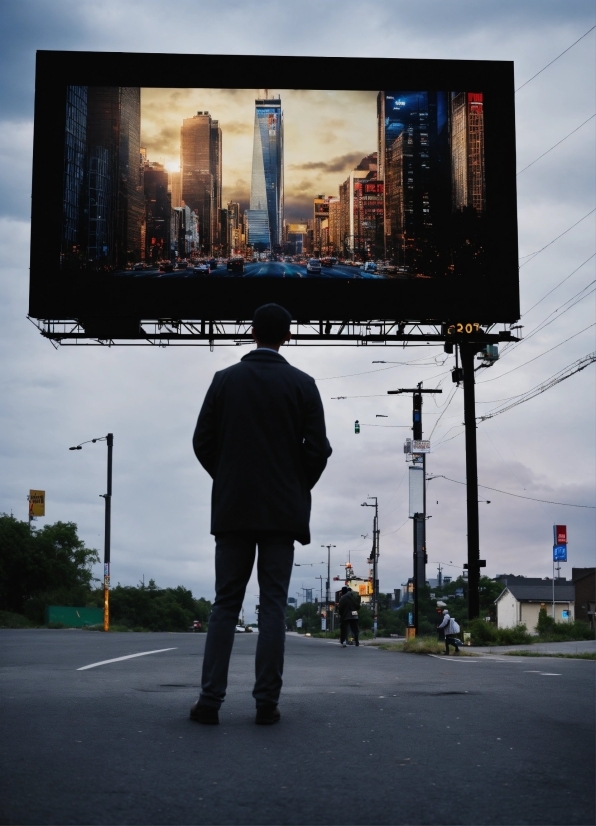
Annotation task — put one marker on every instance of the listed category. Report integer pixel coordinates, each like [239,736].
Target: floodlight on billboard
[127,228]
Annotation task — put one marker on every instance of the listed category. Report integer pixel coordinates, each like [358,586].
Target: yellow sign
[37,503]
[297,229]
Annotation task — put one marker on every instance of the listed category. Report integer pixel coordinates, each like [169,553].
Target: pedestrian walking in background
[261,437]
[348,606]
[450,629]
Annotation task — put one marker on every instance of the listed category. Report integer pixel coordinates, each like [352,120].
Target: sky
[150,397]
[326,134]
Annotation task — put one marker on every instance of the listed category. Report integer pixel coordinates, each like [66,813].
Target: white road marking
[543,673]
[452,659]
[128,657]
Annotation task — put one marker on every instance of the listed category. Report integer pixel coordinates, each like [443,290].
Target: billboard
[399,176]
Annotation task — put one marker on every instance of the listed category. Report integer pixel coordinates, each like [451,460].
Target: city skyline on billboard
[391,181]
[156,200]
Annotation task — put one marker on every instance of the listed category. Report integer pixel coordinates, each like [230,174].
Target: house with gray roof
[518,603]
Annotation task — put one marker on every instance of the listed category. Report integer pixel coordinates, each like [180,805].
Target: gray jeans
[234,560]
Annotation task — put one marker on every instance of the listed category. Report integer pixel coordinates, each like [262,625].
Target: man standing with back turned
[261,437]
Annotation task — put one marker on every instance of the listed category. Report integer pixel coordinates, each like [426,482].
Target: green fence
[74,617]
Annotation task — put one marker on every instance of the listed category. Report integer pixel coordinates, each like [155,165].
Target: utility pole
[327,591]
[419,519]
[375,562]
[467,352]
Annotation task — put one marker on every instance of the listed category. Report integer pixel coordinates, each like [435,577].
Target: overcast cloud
[150,397]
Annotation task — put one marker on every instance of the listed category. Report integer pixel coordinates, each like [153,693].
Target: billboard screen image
[201,201]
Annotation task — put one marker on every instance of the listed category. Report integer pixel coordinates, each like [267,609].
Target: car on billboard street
[314,265]
[201,269]
[235,265]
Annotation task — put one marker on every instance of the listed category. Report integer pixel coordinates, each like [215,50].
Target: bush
[484,633]
[551,631]
[10,620]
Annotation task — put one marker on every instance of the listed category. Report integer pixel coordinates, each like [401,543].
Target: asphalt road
[263,269]
[366,736]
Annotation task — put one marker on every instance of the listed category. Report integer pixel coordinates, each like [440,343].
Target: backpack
[455,629]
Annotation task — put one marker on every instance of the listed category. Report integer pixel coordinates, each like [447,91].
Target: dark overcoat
[261,437]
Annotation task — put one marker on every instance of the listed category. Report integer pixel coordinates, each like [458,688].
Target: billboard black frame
[115,307]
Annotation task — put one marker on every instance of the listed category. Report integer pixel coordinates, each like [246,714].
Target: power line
[559,284]
[538,356]
[555,59]
[556,144]
[545,322]
[517,495]
[532,255]
[576,367]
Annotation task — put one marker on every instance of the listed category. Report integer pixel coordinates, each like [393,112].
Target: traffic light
[356,426]
[417,416]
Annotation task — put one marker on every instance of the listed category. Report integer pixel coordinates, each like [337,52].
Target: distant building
[266,213]
[360,209]
[201,175]
[522,603]
[584,580]
[467,151]
[157,213]
[115,209]
[174,188]
[414,164]
[75,144]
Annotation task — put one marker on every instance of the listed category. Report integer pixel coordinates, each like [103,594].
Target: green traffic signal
[356,426]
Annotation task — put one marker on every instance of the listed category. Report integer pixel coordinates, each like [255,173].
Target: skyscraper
[266,212]
[157,210]
[200,164]
[114,181]
[75,139]
[414,164]
[467,150]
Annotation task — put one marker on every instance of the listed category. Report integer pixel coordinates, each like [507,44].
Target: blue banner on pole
[559,553]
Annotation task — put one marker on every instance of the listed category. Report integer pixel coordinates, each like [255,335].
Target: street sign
[560,534]
[420,446]
[416,479]
[559,553]
[37,503]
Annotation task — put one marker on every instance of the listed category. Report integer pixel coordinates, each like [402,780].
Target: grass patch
[581,655]
[418,645]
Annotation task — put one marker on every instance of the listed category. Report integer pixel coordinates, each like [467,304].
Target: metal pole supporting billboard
[467,352]
[374,559]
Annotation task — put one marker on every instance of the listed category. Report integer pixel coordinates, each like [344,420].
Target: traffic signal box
[417,416]
[356,426]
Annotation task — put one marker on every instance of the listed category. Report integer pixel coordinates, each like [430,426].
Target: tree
[38,567]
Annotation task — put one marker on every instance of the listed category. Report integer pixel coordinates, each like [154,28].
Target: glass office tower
[266,212]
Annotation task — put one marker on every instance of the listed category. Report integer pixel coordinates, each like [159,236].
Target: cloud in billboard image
[170,184]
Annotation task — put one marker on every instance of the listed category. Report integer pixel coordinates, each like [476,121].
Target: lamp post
[108,526]
[375,557]
[327,593]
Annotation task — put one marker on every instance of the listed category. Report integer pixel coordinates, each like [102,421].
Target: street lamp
[375,557]
[108,500]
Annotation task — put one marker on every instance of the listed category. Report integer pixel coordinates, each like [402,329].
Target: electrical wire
[545,322]
[556,144]
[519,496]
[555,59]
[449,400]
[566,373]
[559,285]
[538,356]
[532,255]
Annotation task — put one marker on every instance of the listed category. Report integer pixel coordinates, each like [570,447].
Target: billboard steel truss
[178,332]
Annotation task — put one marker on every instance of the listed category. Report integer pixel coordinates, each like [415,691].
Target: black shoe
[207,715]
[267,715]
